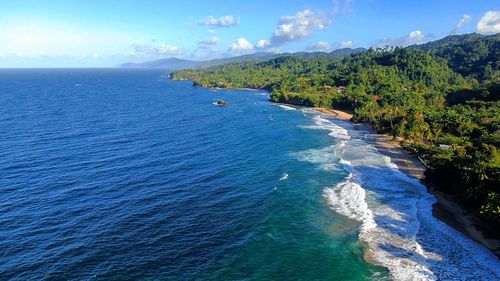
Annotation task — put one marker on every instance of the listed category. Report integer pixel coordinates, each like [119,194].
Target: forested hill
[472,55]
[441,98]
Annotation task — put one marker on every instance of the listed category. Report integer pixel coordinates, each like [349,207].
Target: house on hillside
[341,89]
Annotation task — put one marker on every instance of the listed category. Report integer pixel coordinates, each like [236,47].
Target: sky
[106,33]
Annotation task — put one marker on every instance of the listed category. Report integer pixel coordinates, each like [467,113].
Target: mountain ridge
[177,63]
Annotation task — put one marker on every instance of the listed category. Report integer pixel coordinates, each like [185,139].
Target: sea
[112,174]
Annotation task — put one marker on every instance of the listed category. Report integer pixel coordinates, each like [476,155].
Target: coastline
[335,113]
[455,216]
[445,209]
[239,89]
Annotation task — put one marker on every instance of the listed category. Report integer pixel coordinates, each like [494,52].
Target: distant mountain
[177,64]
[169,63]
[334,54]
[472,55]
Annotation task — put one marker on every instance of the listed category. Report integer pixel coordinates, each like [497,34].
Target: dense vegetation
[441,99]
[473,56]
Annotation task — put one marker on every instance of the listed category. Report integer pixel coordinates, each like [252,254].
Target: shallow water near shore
[125,175]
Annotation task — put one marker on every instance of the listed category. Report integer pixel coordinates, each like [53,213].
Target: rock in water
[222,103]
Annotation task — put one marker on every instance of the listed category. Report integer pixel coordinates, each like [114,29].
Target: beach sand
[445,209]
[334,113]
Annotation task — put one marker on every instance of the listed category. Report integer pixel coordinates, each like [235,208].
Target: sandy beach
[445,209]
[334,113]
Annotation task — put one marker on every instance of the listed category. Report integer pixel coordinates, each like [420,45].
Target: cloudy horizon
[55,33]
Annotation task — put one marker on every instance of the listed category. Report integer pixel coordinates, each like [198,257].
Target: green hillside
[441,99]
[472,55]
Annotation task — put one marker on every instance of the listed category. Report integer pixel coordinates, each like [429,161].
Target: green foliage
[490,92]
[491,209]
[472,55]
[414,93]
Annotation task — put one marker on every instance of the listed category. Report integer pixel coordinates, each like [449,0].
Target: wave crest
[398,229]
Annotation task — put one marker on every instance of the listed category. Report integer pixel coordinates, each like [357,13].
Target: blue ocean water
[125,175]
[109,174]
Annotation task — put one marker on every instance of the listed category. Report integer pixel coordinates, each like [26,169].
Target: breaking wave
[397,229]
[286,107]
[321,123]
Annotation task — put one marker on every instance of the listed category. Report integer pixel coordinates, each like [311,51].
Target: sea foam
[348,199]
[286,107]
[395,212]
[324,124]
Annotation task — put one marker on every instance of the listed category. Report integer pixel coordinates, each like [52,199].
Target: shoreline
[445,209]
[335,113]
[238,89]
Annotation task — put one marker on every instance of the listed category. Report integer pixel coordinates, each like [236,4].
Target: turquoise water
[126,175]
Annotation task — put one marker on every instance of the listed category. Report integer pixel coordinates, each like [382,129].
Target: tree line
[441,99]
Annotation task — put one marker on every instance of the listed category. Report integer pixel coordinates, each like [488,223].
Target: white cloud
[225,21]
[297,27]
[345,44]
[145,51]
[206,49]
[240,46]
[275,50]
[262,43]
[265,45]
[209,42]
[489,23]
[164,49]
[321,46]
[414,37]
[205,53]
[463,22]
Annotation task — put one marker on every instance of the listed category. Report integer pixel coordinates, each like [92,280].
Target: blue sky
[106,33]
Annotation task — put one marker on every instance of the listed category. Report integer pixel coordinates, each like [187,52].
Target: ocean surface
[110,174]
